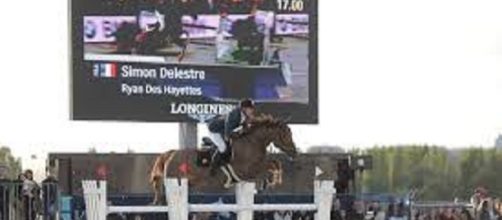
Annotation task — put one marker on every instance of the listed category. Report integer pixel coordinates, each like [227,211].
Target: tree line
[436,173]
[10,166]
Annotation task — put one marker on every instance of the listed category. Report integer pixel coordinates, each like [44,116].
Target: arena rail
[97,207]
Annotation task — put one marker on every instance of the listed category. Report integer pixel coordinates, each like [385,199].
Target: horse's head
[279,133]
[284,140]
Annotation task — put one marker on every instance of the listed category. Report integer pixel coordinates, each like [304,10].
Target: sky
[391,72]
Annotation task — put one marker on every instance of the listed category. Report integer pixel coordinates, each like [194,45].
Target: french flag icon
[105,70]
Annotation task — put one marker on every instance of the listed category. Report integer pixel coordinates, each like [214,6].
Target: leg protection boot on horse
[233,175]
[221,161]
[227,158]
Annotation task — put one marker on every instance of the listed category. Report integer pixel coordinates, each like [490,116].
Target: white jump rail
[97,207]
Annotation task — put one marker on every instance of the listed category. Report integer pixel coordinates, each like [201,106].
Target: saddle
[207,150]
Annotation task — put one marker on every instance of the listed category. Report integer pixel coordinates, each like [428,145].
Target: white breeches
[218,140]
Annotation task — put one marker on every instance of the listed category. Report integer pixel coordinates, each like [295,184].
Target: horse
[134,40]
[249,162]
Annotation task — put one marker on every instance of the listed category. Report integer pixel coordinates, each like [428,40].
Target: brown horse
[248,159]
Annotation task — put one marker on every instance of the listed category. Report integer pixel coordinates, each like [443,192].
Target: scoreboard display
[190,60]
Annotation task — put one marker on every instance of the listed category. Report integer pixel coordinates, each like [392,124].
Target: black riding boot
[216,162]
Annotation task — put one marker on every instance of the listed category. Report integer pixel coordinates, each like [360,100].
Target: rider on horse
[223,126]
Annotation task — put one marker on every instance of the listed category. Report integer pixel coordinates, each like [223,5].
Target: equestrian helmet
[246,103]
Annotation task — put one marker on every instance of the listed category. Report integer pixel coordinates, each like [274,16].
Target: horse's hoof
[228,185]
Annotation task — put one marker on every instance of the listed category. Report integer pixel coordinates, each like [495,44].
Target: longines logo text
[200,111]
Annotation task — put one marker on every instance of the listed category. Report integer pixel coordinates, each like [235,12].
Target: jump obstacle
[97,207]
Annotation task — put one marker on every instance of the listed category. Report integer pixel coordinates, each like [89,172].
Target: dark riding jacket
[225,125]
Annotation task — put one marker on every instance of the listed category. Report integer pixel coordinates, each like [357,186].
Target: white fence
[97,207]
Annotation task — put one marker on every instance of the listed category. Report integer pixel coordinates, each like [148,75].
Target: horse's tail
[158,170]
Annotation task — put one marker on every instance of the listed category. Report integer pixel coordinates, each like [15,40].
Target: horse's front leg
[270,174]
[256,172]
[228,182]
[274,170]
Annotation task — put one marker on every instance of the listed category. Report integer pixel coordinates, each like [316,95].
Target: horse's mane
[265,121]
